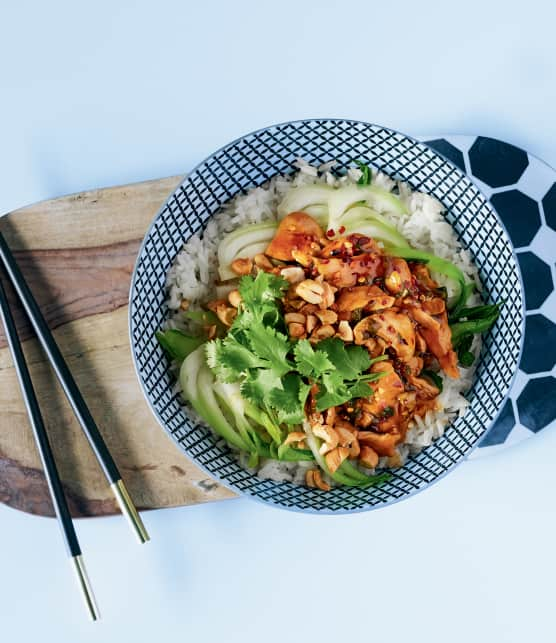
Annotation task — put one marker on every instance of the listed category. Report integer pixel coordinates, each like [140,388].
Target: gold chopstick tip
[129,510]
[85,587]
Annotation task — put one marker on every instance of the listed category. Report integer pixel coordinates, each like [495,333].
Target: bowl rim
[309,510]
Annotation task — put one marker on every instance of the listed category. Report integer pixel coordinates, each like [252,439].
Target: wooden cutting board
[77,254]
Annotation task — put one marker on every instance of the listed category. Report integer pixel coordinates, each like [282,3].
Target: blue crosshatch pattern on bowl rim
[252,160]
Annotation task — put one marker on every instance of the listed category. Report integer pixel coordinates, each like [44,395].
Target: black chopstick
[72,391]
[45,452]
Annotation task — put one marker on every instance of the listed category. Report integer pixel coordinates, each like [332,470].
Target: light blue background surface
[107,93]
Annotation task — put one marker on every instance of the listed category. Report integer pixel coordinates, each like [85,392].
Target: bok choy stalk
[178,345]
[197,384]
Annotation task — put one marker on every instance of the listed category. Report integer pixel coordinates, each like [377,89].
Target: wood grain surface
[77,254]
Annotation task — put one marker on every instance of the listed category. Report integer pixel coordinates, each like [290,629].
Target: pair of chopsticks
[9,266]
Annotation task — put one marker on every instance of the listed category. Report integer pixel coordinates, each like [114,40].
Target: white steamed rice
[195,271]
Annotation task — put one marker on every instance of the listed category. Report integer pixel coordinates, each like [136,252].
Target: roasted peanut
[319,482]
[213,305]
[313,479]
[242,266]
[328,435]
[328,295]
[184,304]
[211,331]
[294,437]
[298,318]
[310,291]
[354,449]
[262,261]
[331,416]
[368,457]
[293,274]
[303,258]
[394,282]
[296,330]
[308,309]
[398,276]
[324,332]
[327,316]
[226,314]
[345,436]
[335,458]
[344,331]
[310,323]
[234,298]
[395,461]
[295,304]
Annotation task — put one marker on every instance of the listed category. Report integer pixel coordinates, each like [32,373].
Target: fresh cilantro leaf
[239,358]
[270,345]
[309,362]
[304,390]
[265,287]
[229,359]
[361,389]
[257,385]
[332,381]
[286,401]
[213,352]
[336,389]
[349,361]
[330,398]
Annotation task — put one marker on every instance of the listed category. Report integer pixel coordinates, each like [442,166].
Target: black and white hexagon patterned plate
[522,189]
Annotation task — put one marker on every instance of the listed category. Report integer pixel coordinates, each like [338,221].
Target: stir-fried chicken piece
[424,389]
[352,244]
[370,298]
[296,232]
[385,391]
[434,306]
[394,328]
[436,333]
[423,276]
[349,271]
[397,276]
[383,443]
[414,366]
